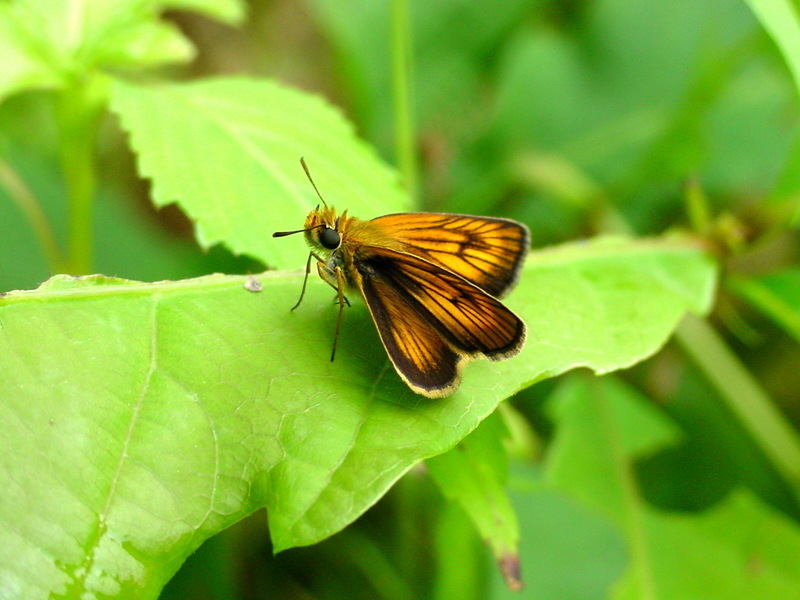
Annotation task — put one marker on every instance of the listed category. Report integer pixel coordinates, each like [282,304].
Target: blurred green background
[575,117]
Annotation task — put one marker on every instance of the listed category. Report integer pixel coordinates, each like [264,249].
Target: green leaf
[780,19]
[580,301]
[474,474]
[460,555]
[239,143]
[140,419]
[602,428]
[22,68]
[567,549]
[46,43]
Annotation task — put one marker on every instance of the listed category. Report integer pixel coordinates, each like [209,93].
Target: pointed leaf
[474,474]
[239,143]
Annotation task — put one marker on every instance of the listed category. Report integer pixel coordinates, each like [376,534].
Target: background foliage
[159,141]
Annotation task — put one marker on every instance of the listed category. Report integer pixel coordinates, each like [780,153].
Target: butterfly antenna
[283,233]
[308,174]
[321,225]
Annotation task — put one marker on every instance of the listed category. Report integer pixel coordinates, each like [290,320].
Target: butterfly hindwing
[474,323]
[419,353]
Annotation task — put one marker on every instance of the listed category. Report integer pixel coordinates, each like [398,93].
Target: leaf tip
[510,568]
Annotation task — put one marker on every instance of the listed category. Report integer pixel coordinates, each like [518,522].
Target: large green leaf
[567,550]
[603,427]
[238,143]
[138,419]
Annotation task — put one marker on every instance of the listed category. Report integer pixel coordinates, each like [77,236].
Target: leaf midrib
[81,575]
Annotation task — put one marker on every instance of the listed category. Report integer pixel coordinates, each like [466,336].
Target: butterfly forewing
[469,319]
[483,250]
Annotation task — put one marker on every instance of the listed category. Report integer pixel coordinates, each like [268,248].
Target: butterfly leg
[334,277]
[340,284]
[305,280]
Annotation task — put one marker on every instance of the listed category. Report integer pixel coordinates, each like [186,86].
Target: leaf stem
[745,397]
[402,69]
[367,558]
[78,109]
[632,512]
[30,206]
[769,303]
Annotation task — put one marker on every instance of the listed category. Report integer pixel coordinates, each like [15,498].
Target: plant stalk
[745,397]
[402,74]
[30,206]
[78,110]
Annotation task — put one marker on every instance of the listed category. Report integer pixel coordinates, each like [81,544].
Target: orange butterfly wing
[430,319]
[486,251]
[419,353]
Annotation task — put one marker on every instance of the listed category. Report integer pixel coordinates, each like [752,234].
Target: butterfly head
[322,228]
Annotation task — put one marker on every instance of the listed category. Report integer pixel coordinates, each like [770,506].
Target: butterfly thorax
[326,234]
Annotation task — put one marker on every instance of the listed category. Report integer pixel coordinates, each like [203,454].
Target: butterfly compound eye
[330,238]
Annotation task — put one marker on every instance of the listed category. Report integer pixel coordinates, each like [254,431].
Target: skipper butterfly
[431,282]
